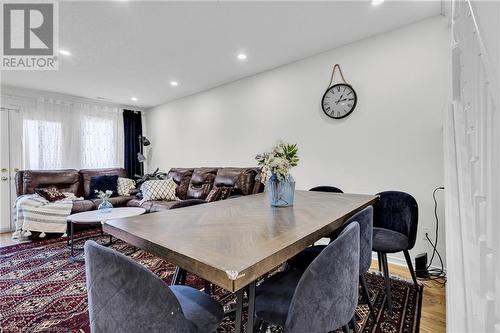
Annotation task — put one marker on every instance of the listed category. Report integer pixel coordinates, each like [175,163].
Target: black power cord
[436,274]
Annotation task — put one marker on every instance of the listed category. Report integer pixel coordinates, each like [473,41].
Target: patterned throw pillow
[219,193]
[158,190]
[125,185]
[50,193]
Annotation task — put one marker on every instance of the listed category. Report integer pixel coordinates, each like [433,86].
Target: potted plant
[275,173]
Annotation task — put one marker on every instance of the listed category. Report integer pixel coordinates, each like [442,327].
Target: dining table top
[233,242]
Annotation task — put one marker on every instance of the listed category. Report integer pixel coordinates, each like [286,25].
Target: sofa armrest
[187,203]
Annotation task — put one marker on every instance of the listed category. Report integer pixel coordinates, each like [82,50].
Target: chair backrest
[327,293]
[124,296]
[332,189]
[397,211]
[365,220]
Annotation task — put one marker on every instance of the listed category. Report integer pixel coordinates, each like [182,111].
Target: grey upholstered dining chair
[395,221]
[330,189]
[124,296]
[365,220]
[304,301]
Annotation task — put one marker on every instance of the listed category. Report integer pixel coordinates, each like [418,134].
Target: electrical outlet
[426,230]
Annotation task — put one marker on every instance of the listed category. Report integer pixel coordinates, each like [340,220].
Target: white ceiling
[122,49]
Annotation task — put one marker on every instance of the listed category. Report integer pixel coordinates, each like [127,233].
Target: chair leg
[177,276]
[364,287]
[353,324]
[183,277]
[379,255]
[256,326]
[387,282]
[410,267]
[208,288]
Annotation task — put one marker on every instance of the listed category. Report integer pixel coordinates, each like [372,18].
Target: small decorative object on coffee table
[97,216]
[105,206]
[275,173]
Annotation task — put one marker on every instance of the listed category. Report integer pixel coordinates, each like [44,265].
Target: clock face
[339,101]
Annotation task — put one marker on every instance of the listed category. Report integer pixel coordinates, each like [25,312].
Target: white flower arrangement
[104,195]
[278,162]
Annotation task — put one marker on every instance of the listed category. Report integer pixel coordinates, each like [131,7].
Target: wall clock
[340,99]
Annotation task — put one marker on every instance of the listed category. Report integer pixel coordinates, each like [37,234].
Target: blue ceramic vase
[105,206]
[281,191]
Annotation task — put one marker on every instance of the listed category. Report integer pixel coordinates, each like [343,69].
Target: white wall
[392,140]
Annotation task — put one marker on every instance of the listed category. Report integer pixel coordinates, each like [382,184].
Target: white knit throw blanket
[34,213]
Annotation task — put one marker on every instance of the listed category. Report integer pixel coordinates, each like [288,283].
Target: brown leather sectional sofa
[193,183]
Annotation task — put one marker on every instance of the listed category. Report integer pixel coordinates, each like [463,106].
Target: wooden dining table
[231,243]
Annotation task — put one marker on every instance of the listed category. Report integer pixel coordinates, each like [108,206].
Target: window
[42,144]
[58,135]
[98,142]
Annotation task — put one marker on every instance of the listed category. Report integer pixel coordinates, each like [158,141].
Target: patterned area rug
[41,290]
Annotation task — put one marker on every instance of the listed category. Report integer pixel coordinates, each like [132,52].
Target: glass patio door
[10,161]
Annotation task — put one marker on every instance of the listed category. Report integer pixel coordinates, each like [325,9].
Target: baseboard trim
[400,262]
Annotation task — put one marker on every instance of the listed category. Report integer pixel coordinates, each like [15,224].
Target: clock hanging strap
[333,75]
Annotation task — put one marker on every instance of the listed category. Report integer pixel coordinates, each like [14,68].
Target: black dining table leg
[239,310]
[250,289]
[251,307]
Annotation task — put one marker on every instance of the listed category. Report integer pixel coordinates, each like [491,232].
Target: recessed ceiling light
[377,2]
[242,56]
[133,99]
[174,83]
[65,52]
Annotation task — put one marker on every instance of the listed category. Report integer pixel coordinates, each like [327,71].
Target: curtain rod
[68,99]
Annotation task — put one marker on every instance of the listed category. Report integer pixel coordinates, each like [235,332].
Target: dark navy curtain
[132,124]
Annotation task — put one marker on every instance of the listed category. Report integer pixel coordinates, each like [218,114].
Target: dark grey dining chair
[365,219]
[124,296]
[331,189]
[304,301]
[395,221]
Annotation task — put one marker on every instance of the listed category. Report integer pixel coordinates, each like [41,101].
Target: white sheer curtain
[60,134]
[472,179]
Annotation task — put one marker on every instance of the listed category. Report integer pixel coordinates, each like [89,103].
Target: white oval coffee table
[97,216]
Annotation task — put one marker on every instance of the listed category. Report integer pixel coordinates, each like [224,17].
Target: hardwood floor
[6,240]
[433,318]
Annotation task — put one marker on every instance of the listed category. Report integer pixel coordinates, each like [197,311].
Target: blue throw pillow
[103,183]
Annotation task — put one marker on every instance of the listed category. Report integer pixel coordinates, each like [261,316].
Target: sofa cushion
[82,206]
[119,201]
[152,206]
[65,180]
[182,177]
[159,206]
[87,174]
[137,203]
[241,179]
[201,183]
